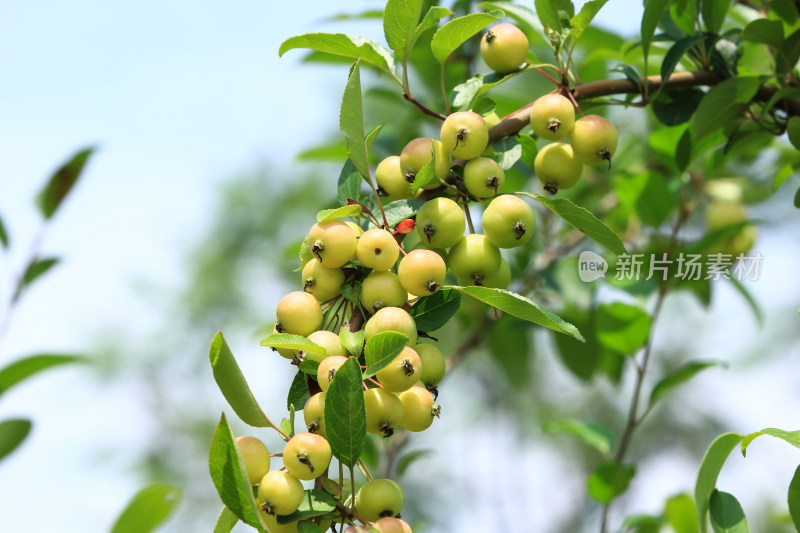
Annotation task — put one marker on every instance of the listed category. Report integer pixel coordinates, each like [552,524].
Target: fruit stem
[545,74]
[372,380]
[574,102]
[424,110]
[364,471]
[469,218]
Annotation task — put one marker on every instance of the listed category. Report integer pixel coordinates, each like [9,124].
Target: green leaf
[399,210]
[621,327]
[751,301]
[349,185]
[608,481]
[520,307]
[345,416]
[229,475]
[22,369]
[582,20]
[287,341]
[462,95]
[648,196]
[792,437]
[344,45]
[726,513]
[409,458]
[583,220]
[548,13]
[653,9]
[353,342]
[786,171]
[381,349]
[426,175]
[61,183]
[764,31]
[714,12]
[431,19]
[231,382]
[710,467]
[315,503]
[400,18]
[794,498]
[684,15]
[797,199]
[351,291]
[35,269]
[723,104]
[298,392]
[351,121]
[529,150]
[525,17]
[484,106]
[12,433]
[305,254]
[677,106]
[676,52]
[679,376]
[457,31]
[3,235]
[432,312]
[308,527]
[507,152]
[340,212]
[226,521]
[148,509]
[793,131]
[372,135]
[309,366]
[593,434]
[681,513]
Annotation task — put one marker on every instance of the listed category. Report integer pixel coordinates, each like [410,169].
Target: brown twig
[424,110]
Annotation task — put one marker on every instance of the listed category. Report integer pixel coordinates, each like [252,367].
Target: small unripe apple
[594,140]
[314,414]
[327,370]
[433,364]
[391,319]
[464,134]
[440,222]
[377,249]
[307,455]
[402,372]
[552,116]
[280,493]
[382,289]
[474,258]
[508,221]
[256,457]
[418,153]
[326,339]
[379,498]
[384,411]
[418,409]
[501,278]
[389,524]
[557,167]
[504,47]
[390,178]
[298,313]
[421,272]
[283,352]
[323,282]
[333,243]
[720,214]
[483,177]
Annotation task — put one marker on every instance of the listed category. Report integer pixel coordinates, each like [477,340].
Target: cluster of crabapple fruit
[388,270]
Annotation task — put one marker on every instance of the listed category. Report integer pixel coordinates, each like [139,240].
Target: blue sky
[179,96]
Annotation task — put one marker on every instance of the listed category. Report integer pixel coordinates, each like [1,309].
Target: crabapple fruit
[593,139]
[379,498]
[552,116]
[391,319]
[508,221]
[433,364]
[464,134]
[332,242]
[418,153]
[557,167]
[256,457]
[421,272]
[402,372]
[384,411]
[389,524]
[382,289]
[327,369]
[280,493]
[307,455]
[504,47]
[377,249]
[323,282]
[298,313]
[474,258]
[483,177]
[418,409]
[326,339]
[314,414]
[440,222]
[391,180]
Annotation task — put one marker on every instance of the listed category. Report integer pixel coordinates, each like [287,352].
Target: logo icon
[591,266]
